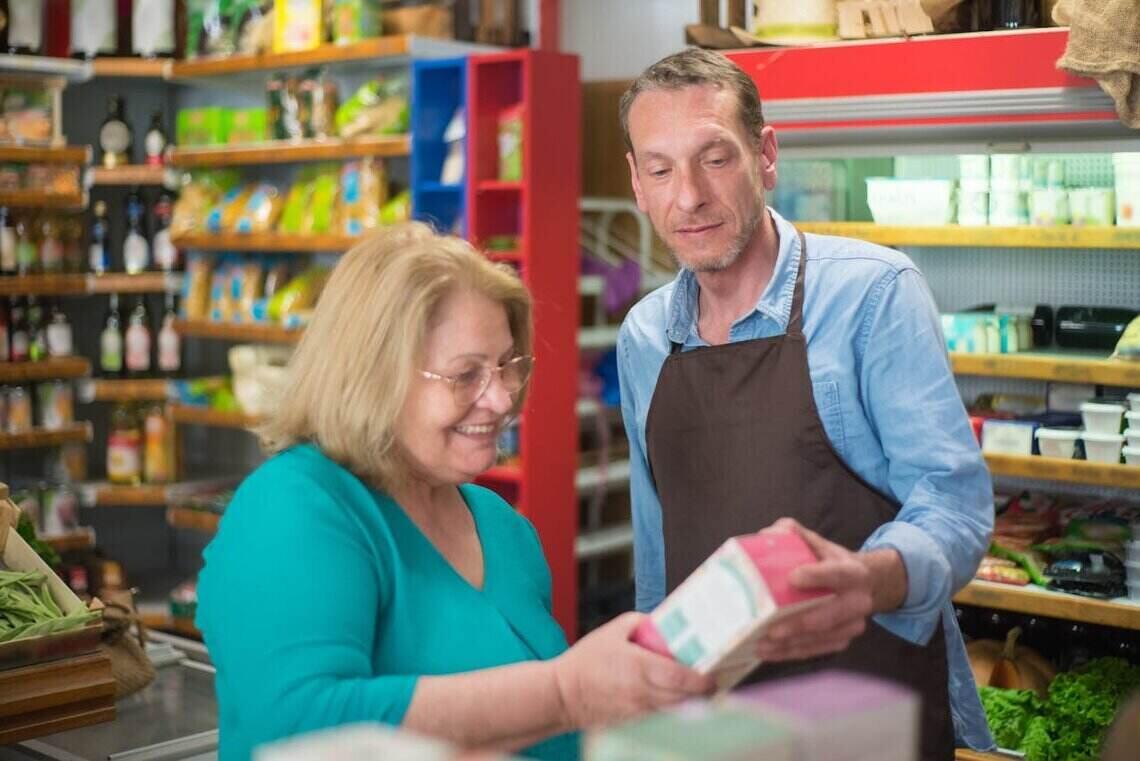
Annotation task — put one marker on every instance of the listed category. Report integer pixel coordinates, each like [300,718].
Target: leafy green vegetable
[27,608]
[28,532]
[1008,713]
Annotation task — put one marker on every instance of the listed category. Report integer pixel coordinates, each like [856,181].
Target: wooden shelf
[77,285]
[136,68]
[127,175]
[1043,602]
[164,622]
[987,237]
[48,369]
[268,242]
[962,754]
[1065,471]
[1071,368]
[32,154]
[113,495]
[369,50]
[194,415]
[193,520]
[124,390]
[38,199]
[44,66]
[225,331]
[283,152]
[39,438]
[81,539]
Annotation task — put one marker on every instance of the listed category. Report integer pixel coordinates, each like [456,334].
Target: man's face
[698,174]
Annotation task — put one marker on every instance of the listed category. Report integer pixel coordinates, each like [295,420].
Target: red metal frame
[543,211]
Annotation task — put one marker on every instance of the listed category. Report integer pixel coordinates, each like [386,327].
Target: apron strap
[796,317]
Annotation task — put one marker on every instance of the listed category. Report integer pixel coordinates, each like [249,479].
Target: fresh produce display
[1069,724]
[1010,665]
[27,608]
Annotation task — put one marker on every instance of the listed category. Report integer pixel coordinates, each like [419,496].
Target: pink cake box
[840,715]
[714,620]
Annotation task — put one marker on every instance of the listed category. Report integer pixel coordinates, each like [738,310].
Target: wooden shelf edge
[143,282]
[236,332]
[136,68]
[49,369]
[1042,602]
[127,175]
[194,415]
[163,621]
[81,539]
[34,199]
[193,520]
[34,154]
[114,495]
[124,390]
[1048,367]
[1064,471]
[380,47]
[284,152]
[270,242]
[995,237]
[80,284]
[39,438]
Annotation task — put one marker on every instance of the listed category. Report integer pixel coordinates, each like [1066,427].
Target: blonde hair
[349,377]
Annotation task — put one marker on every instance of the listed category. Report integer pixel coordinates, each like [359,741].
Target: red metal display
[542,212]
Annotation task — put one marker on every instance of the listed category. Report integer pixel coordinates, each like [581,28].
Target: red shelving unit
[544,203]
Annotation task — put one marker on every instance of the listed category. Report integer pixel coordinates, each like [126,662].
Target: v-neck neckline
[435,551]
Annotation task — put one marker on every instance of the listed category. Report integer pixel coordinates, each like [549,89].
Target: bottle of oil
[124,447]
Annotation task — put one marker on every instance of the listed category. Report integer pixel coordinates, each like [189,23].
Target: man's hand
[830,626]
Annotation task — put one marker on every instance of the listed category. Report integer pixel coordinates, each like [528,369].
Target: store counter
[175,717]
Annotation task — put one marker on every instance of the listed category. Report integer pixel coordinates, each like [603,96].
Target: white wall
[616,39]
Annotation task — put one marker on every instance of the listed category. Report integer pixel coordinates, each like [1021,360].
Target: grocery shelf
[193,520]
[39,199]
[38,438]
[1121,613]
[1063,368]
[604,541]
[195,415]
[287,152]
[268,242]
[48,369]
[225,331]
[123,390]
[380,47]
[963,754]
[78,284]
[32,154]
[163,621]
[987,237]
[135,68]
[44,66]
[1064,471]
[81,539]
[133,174]
[611,475]
[116,495]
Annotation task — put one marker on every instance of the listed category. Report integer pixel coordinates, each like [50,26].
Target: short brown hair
[693,67]
[349,377]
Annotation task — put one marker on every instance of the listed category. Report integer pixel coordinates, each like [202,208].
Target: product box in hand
[698,731]
[840,716]
[714,620]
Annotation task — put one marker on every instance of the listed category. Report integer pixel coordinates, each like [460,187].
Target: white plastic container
[1102,417]
[1132,436]
[1134,401]
[1133,420]
[974,201]
[1132,550]
[1057,442]
[1134,591]
[1102,447]
[911,202]
[1132,570]
[1131,455]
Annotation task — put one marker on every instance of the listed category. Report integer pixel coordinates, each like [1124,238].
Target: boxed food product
[911,202]
[839,715]
[1008,436]
[695,732]
[713,621]
[27,114]
[379,107]
[200,126]
[244,125]
[354,20]
[298,25]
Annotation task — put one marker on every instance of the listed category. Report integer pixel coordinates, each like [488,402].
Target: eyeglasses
[469,386]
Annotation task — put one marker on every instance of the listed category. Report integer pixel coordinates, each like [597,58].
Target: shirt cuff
[928,580]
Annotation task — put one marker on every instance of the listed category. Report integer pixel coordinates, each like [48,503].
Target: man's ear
[635,181]
[769,152]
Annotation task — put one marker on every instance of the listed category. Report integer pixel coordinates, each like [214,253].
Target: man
[797,380]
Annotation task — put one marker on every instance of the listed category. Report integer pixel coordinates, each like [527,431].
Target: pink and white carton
[714,620]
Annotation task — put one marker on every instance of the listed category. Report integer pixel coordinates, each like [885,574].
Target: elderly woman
[359,576]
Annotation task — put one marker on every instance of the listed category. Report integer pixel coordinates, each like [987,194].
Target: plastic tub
[911,202]
[1131,455]
[1102,447]
[1134,591]
[1134,401]
[1132,570]
[1132,550]
[1133,419]
[1102,417]
[1057,442]
[1132,436]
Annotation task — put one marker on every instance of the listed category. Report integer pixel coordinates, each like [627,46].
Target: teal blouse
[321,603]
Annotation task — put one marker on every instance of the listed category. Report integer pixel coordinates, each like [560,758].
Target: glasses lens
[516,372]
[470,385]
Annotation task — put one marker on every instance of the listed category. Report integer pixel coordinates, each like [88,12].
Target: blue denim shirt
[888,401]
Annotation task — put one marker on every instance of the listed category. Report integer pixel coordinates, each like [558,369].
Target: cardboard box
[714,620]
[16,555]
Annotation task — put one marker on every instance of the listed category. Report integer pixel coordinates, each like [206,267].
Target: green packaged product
[244,125]
[354,20]
[298,294]
[398,209]
[322,206]
[379,107]
[201,126]
[510,144]
[208,28]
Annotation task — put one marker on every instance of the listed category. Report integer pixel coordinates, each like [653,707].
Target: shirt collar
[775,302]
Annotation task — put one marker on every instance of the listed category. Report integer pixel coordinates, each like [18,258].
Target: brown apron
[735,442]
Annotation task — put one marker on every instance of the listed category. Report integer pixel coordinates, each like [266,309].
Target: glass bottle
[99,240]
[19,342]
[136,248]
[60,338]
[7,243]
[115,135]
[169,342]
[37,331]
[165,253]
[138,341]
[158,449]
[51,246]
[111,341]
[27,257]
[124,447]
[155,140]
[5,335]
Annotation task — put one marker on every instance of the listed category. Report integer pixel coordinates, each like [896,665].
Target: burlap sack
[130,667]
[1104,43]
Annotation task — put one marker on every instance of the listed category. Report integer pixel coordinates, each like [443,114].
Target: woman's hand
[605,677]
